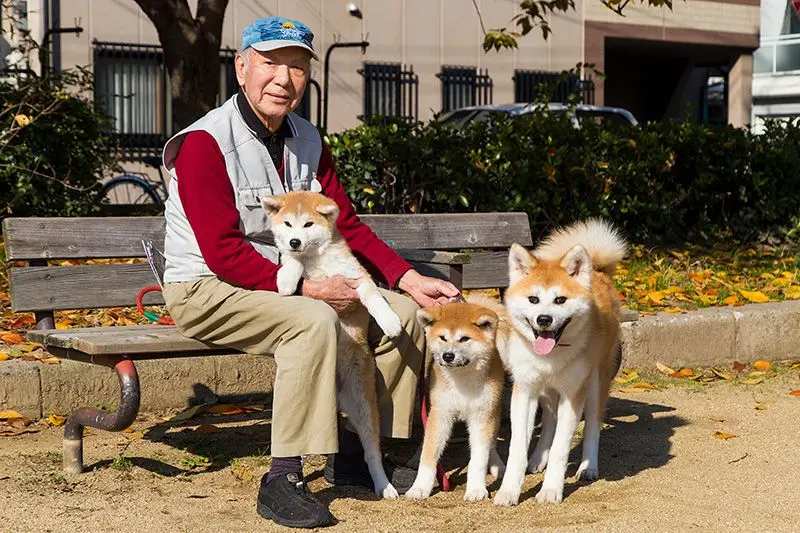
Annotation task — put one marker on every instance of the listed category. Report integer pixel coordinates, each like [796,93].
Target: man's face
[274,81]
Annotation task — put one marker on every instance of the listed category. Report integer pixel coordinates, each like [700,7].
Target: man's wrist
[407,279]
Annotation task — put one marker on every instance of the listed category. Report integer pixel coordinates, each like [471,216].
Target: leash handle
[163,320]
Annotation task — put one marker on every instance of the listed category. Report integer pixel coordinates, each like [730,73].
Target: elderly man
[221,268]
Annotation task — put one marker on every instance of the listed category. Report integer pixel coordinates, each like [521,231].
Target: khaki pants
[300,333]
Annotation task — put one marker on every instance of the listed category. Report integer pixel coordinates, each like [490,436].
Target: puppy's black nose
[295,243]
[544,320]
[448,357]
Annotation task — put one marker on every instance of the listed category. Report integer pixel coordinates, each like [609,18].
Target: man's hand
[337,291]
[427,291]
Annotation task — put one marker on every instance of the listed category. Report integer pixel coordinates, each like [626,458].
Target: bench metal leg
[97,418]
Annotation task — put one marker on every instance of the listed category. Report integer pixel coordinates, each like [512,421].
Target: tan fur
[469,393]
[567,283]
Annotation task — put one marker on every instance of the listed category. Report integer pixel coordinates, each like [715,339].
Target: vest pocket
[255,220]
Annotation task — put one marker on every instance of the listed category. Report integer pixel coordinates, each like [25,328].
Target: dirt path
[662,470]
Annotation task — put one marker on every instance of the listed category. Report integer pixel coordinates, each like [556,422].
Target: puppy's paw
[417,493]
[550,495]
[587,472]
[288,277]
[387,493]
[497,470]
[537,462]
[506,497]
[475,494]
[390,324]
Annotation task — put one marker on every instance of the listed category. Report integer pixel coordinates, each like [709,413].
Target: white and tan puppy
[563,308]
[304,226]
[465,384]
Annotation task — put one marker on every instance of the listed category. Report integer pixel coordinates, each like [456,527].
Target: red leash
[163,320]
[443,478]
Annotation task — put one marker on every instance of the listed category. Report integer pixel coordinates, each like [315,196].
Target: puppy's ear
[578,264]
[329,210]
[487,322]
[428,316]
[272,204]
[520,263]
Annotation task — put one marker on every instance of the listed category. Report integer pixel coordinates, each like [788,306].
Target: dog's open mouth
[546,340]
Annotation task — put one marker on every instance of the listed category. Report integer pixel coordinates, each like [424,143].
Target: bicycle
[134,192]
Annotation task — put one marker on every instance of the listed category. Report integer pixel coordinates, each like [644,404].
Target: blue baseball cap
[278,32]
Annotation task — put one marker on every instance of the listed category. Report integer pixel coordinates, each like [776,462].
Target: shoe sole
[266,512]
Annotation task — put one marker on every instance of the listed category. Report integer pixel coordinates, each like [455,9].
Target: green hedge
[663,183]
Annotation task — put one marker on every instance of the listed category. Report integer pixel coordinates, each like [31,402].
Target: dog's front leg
[523,399]
[379,308]
[481,443]
[437,433]
[570,407]
[289,275]
[593,414]
[537,461]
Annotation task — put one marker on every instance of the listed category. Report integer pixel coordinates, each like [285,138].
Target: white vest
[253,176]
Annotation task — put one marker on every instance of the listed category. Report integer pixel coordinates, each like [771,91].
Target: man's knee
[406,309]
[319,319]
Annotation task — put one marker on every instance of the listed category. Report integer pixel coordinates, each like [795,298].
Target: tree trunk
[191,52]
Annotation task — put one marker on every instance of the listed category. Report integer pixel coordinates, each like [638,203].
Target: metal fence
[390,90]
[529,84]
[465,86]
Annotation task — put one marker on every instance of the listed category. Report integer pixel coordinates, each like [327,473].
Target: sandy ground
[661,469]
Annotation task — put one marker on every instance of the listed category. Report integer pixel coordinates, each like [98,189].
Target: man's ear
[272,204]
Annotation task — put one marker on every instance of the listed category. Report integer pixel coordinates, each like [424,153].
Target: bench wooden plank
[40,335]
[126,340]
[99,237]
[435,256]
[486,270]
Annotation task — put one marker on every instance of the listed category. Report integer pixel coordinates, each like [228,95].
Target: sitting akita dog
[304,226]
[563,307]
[465,384]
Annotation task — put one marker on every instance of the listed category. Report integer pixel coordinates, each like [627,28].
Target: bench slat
[111,237]
[126,340]
[486,270]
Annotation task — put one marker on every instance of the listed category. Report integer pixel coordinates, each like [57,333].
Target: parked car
[583,112]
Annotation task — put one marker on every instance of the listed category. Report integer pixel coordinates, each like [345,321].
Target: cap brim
[267,46]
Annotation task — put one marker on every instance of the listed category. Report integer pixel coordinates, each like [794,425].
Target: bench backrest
[44,286]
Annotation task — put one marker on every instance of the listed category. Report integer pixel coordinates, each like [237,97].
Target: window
[529,84]
[390,90]
[464,87]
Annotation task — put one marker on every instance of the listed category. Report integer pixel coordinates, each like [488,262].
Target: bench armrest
[434,256]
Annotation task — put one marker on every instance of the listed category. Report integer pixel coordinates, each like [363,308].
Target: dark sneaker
[351,469]
[287,501]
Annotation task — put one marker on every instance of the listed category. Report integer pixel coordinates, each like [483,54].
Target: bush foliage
[662,182]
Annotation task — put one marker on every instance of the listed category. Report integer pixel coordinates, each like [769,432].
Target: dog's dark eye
[463,339]
[560,300]
[308,224]
[287,223]
[444,339]
[533,299]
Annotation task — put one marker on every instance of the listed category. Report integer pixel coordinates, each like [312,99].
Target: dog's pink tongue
[543,345]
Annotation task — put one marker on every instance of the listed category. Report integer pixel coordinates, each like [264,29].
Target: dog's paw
[390,324]
[475,494]
[537,462]
[497,470]
[288,277]
[417,493]
[587,472]
[506,497]
[387,493]
[550,495]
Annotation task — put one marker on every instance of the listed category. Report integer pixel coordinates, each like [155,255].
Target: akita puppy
[563,308]
[465,384]
[304,226]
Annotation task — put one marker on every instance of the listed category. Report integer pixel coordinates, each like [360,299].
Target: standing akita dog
[304,226]
[465,384]
[563,308]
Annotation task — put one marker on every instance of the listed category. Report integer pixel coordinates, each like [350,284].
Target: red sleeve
[207,197]
[371,251]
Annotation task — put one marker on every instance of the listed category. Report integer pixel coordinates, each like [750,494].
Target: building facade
[425,56]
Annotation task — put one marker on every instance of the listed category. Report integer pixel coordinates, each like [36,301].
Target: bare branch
[480,17]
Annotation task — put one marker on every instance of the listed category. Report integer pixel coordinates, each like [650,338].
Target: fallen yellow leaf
[656,296]
[626,377]
[753,381]
[683,373]
[10,415]
[664,368]
[645,385]
[12,338]
[730,300]
[187,414]
[56,420]
[762,365]
[721,375]
[51,360]
[755,296]
[792,293]
[134,436]
[4,356]
[795,393]
[723,436]
[633,389]
[761,406]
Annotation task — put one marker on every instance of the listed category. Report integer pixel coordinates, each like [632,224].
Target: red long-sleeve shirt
[207,197]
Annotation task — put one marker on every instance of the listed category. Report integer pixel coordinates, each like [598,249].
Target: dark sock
[285,465]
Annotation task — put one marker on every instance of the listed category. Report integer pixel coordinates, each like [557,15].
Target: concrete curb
[702,338]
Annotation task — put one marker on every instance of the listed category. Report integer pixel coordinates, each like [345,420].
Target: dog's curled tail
[602,241]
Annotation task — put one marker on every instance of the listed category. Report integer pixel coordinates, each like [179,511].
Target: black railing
[464,86]
[390,90]
[531,84]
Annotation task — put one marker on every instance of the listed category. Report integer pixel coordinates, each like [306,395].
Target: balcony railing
[777,54]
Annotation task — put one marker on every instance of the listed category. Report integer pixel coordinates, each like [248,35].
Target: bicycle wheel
[129,195]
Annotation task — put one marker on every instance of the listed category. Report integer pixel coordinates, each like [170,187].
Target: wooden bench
[433,243]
